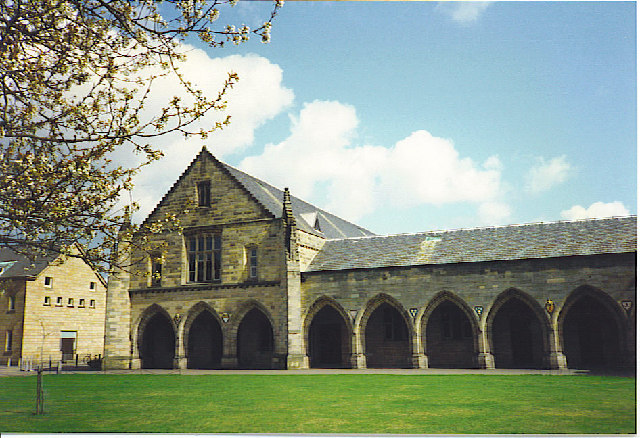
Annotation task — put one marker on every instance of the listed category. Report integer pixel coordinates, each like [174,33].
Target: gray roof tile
[529,241]
[22,267]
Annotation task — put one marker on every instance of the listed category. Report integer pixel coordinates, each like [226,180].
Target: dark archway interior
[255,341]
[517,336]
[449,338]
[329,345]
[204,343]
[387,343]
[157,349]
[590,335]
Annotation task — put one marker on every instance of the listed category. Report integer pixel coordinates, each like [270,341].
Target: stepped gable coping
[510,242]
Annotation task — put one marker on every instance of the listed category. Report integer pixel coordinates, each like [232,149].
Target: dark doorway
[329,345]
[205,342]
[590,335]
[387,343]
[158,343]
[255,341]
[517,336]
[449,338]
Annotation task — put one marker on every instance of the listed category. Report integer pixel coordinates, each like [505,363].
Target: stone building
[52,309]
[261,279]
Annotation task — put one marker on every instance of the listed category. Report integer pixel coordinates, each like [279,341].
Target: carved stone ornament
[413,312]
[176,318]
[479,310]
[549,306]
[353,314]
[225,317]
[627,304]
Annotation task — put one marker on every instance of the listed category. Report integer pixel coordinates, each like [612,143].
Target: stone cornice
[204,286]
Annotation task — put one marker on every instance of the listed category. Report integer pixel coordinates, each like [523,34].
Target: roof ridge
[490,227]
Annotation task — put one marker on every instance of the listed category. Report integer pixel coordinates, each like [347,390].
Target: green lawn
[422,404]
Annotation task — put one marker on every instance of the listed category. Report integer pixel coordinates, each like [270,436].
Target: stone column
[296,357]
[557,359]
[418,359]
[485,358]
[117,344]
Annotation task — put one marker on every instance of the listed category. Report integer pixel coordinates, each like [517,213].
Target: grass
[399,404]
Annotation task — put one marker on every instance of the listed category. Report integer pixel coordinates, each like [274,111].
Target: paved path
[15,371]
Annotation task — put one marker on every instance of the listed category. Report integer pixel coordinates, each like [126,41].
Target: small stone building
[261,279]
[53,309]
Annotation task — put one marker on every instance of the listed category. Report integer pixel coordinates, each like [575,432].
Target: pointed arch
[202,336]
[254,336]
[518,331]
[449,331]
[327,333]
[156,338]
[386,333]
[591,328]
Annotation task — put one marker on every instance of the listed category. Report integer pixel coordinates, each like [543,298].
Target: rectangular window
[8,341]
[47,301]
[204,194]
[204,253]
[81,302]
[92,285]
[253,263]
[92,304]
[12,303]
[48,281]
[70,302]
[156,270]
[59,301]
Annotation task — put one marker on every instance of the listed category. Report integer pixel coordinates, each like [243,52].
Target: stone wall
[11,320]
[242,225]
[70,279]
[480,289]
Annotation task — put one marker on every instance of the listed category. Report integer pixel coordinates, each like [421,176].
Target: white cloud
[463,12]
[494,213]
[257,97]
[595,210]
[319,163]
[547,174]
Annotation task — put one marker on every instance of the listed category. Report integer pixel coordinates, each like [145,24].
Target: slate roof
[14,265]
[513,242]
[270,198]
[331,226]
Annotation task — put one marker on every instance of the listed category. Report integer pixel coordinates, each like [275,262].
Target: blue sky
[414,116]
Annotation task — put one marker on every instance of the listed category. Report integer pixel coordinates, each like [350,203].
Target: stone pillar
[117,345]
[296,357]
[485,358]
[557,359]
[418,358]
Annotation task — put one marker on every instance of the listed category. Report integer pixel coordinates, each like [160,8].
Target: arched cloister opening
[255,341]
[328,339]
[157,342]
[517,332]
[450,337]
[387,341]
[591,331]
[204,342]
